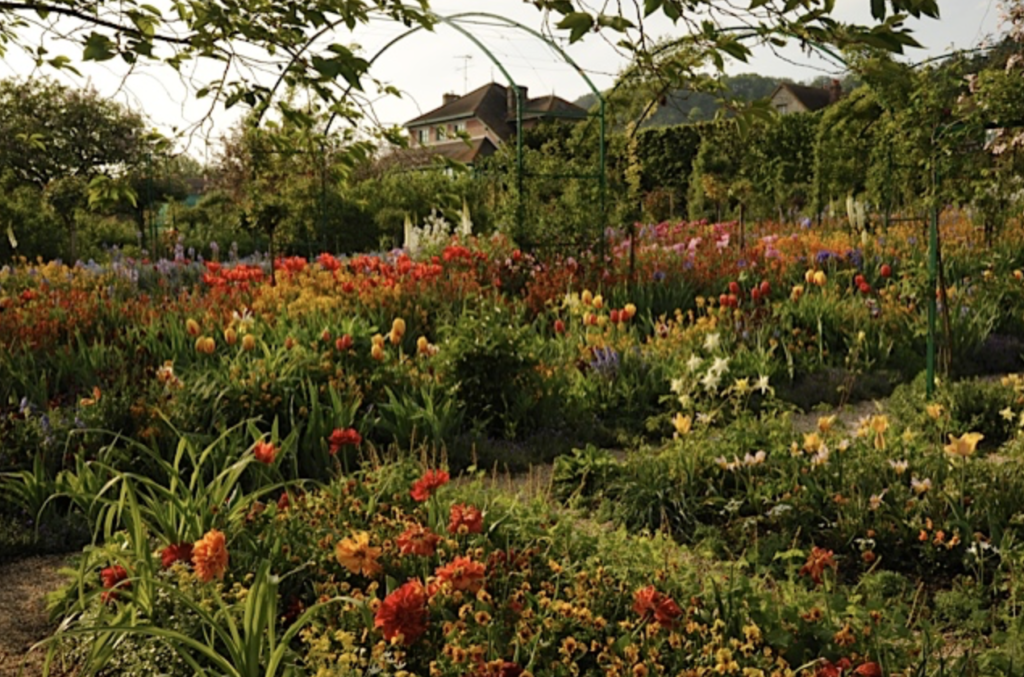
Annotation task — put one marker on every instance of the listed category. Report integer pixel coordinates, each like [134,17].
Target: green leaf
[578,24]
[617,23]
[98,48]
[878,9]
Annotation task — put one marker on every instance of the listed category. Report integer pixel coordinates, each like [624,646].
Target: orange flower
[424,487]
[465,519]
[265,452]
[462,573]
[417,540]
[210,556]
[819,560]
[649,603]
[340,438]
[356,555]
[192,327]
[403,613]
[248,342]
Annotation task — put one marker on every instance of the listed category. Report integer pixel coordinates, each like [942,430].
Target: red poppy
[465,519]
[403,613]
[649,603]
[418,540]
[114,577]
[424,487]
[340,438]
[176,552]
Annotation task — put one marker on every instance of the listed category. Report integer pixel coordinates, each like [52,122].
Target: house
[789,98]
[486,117]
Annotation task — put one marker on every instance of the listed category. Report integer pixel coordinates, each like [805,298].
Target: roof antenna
[465,72]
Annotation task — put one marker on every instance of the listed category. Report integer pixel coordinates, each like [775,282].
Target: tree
[49,131]
[245,40]
[71,144]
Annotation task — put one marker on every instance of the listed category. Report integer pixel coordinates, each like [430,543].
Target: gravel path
[24,585]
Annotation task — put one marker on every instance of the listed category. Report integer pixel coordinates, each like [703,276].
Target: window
[422,136]
[782,108]
[460,127]
[439,133]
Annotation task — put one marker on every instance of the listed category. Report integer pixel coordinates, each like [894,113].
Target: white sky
[426,65]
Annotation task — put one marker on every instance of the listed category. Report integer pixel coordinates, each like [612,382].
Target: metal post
[933,266]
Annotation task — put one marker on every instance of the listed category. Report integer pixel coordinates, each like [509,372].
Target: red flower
[829,669]
[343,343]
[649,603]
[403,613]
[176,552]
[340,438]
[424,487]
[559,327]
[114,577]
[417,540]
[265,452]
[886,270]
[819,560]
[463,574]
[869,669]
[465,519]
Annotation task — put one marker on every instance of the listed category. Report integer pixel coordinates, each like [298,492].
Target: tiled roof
[813,98]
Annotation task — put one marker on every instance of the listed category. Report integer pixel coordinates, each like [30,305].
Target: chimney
[450,97]
[835,91]
[511,99]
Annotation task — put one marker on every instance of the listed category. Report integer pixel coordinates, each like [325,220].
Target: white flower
[710,381]
[720,365]
[820,458]
[875,502]
[693,364]
[844,445]
[712,342]
[761,384]
[1008,414]
[899,466]
[920,486]
[755,459]
[677,386]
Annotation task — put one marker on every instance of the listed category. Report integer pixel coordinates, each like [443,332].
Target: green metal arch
[453,23]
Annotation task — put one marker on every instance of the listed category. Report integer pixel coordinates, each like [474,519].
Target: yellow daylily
[964,445]
[682,424]
[934,410]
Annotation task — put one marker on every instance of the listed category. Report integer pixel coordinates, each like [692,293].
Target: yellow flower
[629,310]
[398,327]
[819,278]
[356,555]
[586,297]
[934,410]
[248,342]
[682,424]
[812,443]
[377,351]
[796,293]
[825,424]
[192,327]
[599,302]
[230,336]
[964,445]
[879,424]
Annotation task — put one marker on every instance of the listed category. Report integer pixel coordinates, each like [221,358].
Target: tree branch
[69,12]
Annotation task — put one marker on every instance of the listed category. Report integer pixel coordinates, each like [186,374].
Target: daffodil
[825,424]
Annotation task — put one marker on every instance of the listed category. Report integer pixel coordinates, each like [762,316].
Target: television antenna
[466,58]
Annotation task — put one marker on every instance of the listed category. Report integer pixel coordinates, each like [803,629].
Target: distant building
[789,98]
[487,116]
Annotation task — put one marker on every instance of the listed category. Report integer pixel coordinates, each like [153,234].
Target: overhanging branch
[82,16]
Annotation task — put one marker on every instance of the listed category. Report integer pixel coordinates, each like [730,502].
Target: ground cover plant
[214,432]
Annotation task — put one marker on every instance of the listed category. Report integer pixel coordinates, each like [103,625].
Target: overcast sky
[428,64]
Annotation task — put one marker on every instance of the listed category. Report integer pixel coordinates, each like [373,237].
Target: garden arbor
[465,24]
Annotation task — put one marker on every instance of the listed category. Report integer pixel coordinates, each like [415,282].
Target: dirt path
[24,585]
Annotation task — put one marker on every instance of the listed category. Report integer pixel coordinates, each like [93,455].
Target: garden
[290,465]
[750,404]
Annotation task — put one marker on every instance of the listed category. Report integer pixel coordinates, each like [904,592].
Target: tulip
[559,327]
[377,352]
[819,278]
[248,342]
[230,336]
[599,302]
[343,343]
[734,288]
[192,327]
[629,311]
[586,297]
[886,270]
[614,316]
[766,288]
